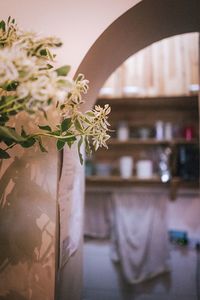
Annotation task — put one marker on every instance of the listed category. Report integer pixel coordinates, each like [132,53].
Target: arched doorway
[147,22]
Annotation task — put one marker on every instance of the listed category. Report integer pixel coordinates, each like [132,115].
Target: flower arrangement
[30,82]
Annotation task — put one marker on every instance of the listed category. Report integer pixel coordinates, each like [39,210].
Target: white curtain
[139,234]
[97,214]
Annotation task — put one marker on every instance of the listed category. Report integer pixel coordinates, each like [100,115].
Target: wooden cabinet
[180,113]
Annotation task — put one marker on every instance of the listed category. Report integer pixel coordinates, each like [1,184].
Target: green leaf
[42,148]
[90,113]
[45,127]
[5,99]
[8,142]
[63,71]
[3,119]
[3,25]
[11,86]
[23,132]
[49,66]
[43,52]
[56,132]
[70,141]
[62,106]
[87,120]
[4,154]
[60,145]
[28,143]
[79,150]
[87,146]
[10,133]
[49,102]
[14,112]
[66,124]
[78,125]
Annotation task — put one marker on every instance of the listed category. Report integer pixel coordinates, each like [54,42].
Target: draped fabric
[139,234]
[136,221]
[97,214]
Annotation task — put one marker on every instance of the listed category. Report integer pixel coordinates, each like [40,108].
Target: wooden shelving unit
[152,141]
[116,181]
[172,102]
[113,180]
[139,112]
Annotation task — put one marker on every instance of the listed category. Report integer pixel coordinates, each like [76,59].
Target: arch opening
[145,23]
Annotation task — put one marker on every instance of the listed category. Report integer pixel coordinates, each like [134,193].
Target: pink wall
[77,23]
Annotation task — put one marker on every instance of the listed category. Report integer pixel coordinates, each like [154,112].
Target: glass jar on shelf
[126,166]
[144,166]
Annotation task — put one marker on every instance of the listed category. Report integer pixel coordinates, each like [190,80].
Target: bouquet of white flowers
[30,82]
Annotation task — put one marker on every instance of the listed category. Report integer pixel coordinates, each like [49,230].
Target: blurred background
[142,229]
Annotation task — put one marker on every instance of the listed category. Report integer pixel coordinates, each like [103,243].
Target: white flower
[9,34]
[23,90]
[46,86]
[16,65]
[42,88]
[60,95]
[63,84]
[80,85]
[101,112]
[25,65]
[8,72]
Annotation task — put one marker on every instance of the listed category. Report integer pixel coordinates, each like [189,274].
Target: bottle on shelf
[188,133]
[144,133]
[168,131]
[123,131]
[103,169]
[159,130]
[188,162]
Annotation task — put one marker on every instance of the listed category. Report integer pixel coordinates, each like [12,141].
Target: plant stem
[13,109]
[9,147]
[60,137]
[9,102]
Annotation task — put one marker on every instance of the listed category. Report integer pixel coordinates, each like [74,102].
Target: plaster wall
[77,23]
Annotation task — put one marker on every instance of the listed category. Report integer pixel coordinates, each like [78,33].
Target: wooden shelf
[171,102]
[179,182]
[117,180]
[134,179]
[151,141]
[181,141]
